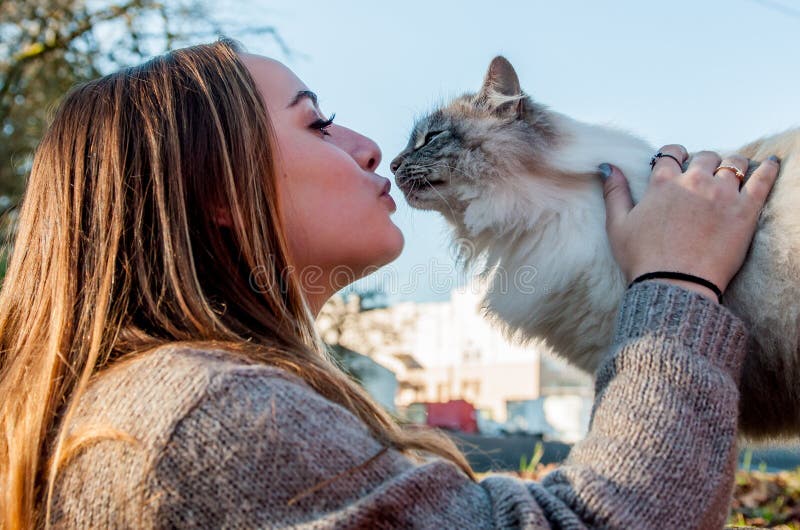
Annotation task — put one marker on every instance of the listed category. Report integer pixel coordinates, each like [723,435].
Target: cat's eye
[428,137]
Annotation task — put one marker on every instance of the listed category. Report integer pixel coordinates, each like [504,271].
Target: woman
[184,222]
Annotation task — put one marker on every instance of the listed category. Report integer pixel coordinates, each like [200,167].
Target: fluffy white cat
[519,182]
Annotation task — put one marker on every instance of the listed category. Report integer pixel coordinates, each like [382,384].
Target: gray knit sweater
[223,444]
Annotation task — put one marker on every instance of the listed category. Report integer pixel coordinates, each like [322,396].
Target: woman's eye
[322,125]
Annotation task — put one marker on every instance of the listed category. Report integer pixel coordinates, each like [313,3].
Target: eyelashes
[322,125]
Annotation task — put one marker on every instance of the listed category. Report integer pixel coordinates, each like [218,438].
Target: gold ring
[736,171]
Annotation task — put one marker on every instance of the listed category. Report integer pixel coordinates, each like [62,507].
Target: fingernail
[775,159]
[605,170]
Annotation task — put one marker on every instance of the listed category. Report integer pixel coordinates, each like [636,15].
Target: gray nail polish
[775,159]
[605,170]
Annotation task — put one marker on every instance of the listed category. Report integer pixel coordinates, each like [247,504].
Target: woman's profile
[184,222]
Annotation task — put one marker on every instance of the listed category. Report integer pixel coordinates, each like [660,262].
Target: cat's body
[519,182]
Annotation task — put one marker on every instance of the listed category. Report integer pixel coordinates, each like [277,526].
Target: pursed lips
[386,197]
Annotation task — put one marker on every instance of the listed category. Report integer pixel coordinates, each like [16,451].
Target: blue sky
[712,74]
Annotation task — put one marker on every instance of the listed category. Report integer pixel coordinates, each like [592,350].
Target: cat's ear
[501,91]
[501,78]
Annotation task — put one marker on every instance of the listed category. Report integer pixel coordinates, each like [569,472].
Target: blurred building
[441,351]
[379,381]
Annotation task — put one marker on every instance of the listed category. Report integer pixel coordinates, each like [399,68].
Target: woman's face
[335,208]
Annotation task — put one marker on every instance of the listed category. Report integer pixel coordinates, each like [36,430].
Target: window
[442,392]
[470,388]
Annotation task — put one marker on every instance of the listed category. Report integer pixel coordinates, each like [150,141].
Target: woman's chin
[397,242]
[386,250]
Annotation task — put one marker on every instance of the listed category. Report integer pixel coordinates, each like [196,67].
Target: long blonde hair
[114,257]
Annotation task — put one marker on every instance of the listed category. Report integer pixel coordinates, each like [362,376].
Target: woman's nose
[369,154]
[363,150]
[373,156]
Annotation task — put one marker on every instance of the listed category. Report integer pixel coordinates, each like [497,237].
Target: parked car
[454,415]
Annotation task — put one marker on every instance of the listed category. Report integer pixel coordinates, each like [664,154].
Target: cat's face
[472,147]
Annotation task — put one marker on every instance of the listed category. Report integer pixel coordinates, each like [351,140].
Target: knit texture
[224,444]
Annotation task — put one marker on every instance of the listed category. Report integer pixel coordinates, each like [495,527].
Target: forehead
[277,83]
[462,107]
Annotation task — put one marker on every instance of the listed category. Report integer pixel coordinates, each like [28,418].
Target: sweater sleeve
[261,449]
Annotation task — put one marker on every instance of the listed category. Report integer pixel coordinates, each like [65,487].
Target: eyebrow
[303,94]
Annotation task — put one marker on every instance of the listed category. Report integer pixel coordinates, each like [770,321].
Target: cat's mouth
[432,194]
[429,182]
[420,189]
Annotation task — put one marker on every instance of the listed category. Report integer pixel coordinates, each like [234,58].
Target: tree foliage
[47,46]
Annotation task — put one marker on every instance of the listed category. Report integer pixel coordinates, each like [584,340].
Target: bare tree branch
[780,8]
[49,44]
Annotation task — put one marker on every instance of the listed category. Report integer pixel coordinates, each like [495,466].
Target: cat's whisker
[452,212]
[452,169]
[416,181]
[437,165]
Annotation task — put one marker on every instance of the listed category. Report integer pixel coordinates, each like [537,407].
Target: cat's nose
[396,163]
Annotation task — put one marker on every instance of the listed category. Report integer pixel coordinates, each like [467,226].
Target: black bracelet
[668,275]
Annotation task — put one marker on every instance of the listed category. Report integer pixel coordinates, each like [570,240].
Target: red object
[455,415]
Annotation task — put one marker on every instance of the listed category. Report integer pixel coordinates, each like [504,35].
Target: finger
[728,176]
[666,167]
[705,161]
[758,186]
[617,196]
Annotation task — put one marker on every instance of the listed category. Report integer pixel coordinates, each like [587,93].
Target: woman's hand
[691,222]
